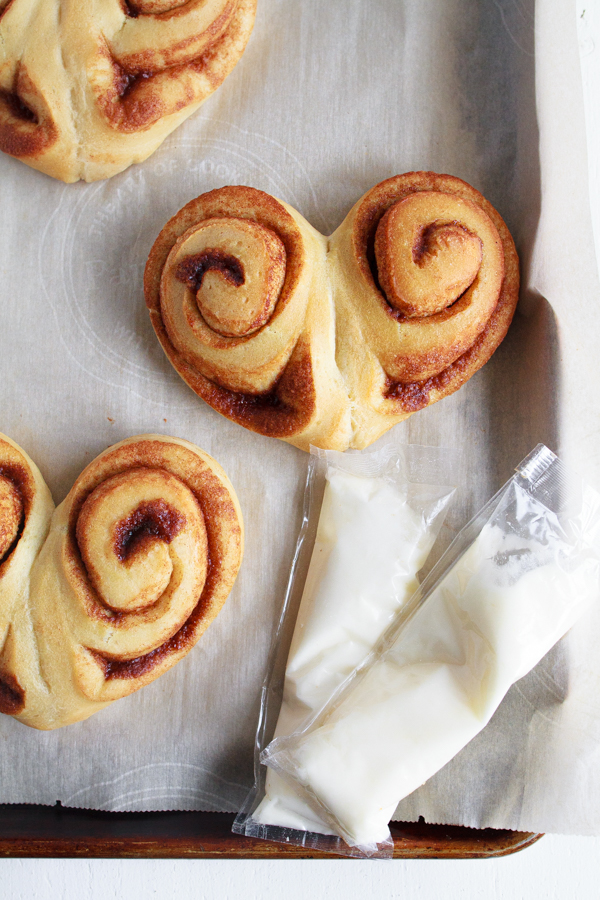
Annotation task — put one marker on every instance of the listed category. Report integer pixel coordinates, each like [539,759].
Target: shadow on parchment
[523,377]
[523,382]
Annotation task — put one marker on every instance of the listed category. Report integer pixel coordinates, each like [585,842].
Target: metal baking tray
[43,831]
[56,831]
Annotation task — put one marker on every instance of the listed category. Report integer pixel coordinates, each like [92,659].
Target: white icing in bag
[494,615]
[369,547]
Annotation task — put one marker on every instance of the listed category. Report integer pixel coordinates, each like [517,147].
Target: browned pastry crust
[87,89]
[397,309]
[138,561]
[26,509]
[397,366]
[278,379]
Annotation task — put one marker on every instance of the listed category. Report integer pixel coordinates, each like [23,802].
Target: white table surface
[557,866]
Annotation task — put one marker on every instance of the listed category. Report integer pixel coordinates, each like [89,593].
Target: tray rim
[30,830]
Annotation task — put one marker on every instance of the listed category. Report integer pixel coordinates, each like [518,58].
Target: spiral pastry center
[429,251]
[234,269]
[152,7]
[136,532]
[11,515]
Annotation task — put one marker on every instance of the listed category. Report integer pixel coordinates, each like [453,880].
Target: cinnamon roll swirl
[426,271]
[237,290]
[138,561]
[87,89]
[332,341]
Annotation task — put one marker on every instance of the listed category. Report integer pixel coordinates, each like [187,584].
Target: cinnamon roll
[87,89]
[426,281]
[26,509]
[237,289]
[332,341]
[138,561]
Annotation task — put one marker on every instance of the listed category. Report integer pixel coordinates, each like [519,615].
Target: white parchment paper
[329,99]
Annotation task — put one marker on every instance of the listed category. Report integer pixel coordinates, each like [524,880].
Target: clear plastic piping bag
[376,517]
[508,588]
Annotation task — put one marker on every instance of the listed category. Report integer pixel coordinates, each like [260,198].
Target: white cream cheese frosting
[493,616]
[370,544]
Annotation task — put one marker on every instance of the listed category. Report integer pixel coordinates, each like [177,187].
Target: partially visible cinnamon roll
[87,89]
[332,341]
[26,509]
[237,290]
[139,559]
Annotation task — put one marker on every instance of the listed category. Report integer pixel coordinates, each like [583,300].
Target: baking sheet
[328,100]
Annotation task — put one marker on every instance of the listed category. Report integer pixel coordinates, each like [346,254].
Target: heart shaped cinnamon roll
[87,89]
[332,341]
[137,562]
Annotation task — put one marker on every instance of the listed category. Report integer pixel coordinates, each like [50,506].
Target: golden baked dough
[138,561]
[271,369]
[396,363]
[87,89]
[26,509]
[336,339]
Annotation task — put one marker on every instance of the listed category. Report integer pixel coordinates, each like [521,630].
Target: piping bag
[379,517]
[512,583]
